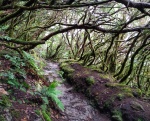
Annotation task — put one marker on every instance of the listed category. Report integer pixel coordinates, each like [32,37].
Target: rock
[3,92]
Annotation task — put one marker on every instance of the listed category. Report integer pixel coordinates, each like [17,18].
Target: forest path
[77,106]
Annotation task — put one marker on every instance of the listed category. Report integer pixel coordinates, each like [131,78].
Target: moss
[128,94]
[122,87]
[120,96]
[70,75]
[108,77]
[72,61]
[95,68]
[123,95]
[137,92]
[66,68]
[125,91]
[90,80]
[114,85]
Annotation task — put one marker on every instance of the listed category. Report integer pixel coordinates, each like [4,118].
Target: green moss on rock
[95,68]
[90,80]
[114,85]
[66,68]
[123,95]
[137,92]
[70,75]
[72,61]
[120,96]
[124,90]
[108,77]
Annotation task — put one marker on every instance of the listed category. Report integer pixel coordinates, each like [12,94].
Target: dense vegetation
[111,36]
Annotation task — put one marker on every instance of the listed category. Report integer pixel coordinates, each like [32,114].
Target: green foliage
[93,46]
[120,96]
[117,115]
[6,37]
[46,93]
[140,119]
[66,68]
[15,60]
[107,105]
[4,27]
[31,62]
[46,116]
[90,80]
[16,74]
[53,93]
[2,118]
[5,102]
[61,75]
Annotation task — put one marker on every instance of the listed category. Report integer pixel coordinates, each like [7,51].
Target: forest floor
[21,105]
[105,102]
[77,106]
[18,105]
[121,102]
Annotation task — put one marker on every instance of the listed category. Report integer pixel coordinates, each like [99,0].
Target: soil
[23,104]
[103,102]
[120,104]
[77,106]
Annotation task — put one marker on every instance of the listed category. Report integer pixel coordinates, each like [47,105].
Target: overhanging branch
[139,5]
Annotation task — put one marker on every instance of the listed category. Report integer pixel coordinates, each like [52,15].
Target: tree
[111,33]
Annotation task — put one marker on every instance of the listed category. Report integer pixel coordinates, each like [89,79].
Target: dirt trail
[77,107]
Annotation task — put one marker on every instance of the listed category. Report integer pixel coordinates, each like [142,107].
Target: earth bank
[121,102]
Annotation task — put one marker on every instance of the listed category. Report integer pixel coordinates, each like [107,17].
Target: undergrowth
[15,75]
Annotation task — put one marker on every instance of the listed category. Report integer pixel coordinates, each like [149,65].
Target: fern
[46,116]
[52,93]
[4,27]
[6,38]
[17,69]
[31,62]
